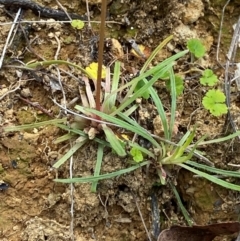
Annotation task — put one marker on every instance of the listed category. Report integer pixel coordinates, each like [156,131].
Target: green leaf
[214,101]
[208,78]
[136,154]
[214,169]
[73,149]
[98,166]
[211,178]
[78,24]
[115,143]
[103,176]
[123,124]
[178,83]
[34,125]
[196,47]
[139,85]
[180,204]
[154,53]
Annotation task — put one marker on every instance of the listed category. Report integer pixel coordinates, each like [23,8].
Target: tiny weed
[77,24]
[214,101]
[208,78]
[196,47]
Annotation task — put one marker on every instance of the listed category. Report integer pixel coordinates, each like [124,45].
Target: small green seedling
[196,47]
[214,101]
[208,78]
[77,24]
[136,154]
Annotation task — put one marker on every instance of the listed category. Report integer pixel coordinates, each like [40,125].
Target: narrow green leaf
[34,125]
[81,133]
[155,52]
[161,111]
[179,85]
[180,204]
[214,170]
[97,167]
[152,71]
[212,178]
[64,158]
[218,140]
[50,62]
[110,98]
[140,131]
[129,111]
[139,93]
[63,138]
[173,103]
[114,141]
[136,128]
[103,176]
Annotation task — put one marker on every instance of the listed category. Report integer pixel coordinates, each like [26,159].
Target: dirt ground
[34,207]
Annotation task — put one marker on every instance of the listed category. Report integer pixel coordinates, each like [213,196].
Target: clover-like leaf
[214,101]
[196,47]
[78,24]
[208,78]
[92,70]
[136,154]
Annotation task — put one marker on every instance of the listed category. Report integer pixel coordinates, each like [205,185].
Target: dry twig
[9,36]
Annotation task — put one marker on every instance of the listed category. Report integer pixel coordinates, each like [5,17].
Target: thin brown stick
[36,105]
[100,53]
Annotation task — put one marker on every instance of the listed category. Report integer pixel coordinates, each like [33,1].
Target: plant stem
[100,53]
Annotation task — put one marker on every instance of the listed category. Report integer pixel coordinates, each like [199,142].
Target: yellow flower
[92,70]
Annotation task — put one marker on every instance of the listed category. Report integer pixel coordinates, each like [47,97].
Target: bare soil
[34,207]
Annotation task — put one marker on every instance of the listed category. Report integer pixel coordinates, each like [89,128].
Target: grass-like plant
[109,108]
[168,153]
[112,114]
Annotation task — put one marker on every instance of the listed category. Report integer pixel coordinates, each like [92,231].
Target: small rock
[193,11]
[26,93]
[183,33]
